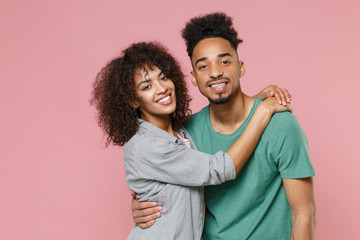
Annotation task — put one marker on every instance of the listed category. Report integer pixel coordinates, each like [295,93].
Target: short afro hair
[209,26]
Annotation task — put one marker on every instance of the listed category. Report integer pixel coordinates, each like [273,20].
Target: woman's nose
[160,88]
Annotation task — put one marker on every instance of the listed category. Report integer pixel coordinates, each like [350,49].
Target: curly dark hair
[209,26]
[113,90]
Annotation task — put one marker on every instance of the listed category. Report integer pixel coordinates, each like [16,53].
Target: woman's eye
[146,87]
[163,77]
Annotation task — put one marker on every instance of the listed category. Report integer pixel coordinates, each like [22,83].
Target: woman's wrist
[266,109]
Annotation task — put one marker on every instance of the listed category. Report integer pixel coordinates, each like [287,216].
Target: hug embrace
[249,152]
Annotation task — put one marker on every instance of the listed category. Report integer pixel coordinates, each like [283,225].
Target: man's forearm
[300,195]
[303,226]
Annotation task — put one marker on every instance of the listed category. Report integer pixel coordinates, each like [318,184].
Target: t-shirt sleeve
[292,158]
[162,160]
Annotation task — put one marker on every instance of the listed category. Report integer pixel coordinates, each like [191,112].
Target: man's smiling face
[216,69]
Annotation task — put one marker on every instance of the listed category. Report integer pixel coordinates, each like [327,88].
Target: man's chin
[220,100]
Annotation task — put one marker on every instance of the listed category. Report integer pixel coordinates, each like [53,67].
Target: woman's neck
[162,122]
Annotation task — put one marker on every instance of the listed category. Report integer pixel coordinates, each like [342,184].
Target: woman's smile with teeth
[164,99]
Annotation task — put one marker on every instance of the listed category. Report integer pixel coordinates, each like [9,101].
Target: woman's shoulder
[149,137]
[140,139]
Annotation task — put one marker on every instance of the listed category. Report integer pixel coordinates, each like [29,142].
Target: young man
[272,196]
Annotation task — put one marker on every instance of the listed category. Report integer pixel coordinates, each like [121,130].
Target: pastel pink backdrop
[59,182]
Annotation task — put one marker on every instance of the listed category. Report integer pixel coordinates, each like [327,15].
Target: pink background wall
[58,181]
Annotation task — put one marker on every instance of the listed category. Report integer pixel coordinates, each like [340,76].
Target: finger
[278,97]
[146,212]
[135,205]
[289,108]
[270,90]
[269,93]
[282,96]
[133,194]
[147,219]
[287,95]
[146,225]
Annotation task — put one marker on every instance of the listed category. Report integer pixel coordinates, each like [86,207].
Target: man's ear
[193,79]
[241,68]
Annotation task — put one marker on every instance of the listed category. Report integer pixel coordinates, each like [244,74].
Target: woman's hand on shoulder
[281,94]
[272,106]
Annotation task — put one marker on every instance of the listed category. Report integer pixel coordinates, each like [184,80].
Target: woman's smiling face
[155,91]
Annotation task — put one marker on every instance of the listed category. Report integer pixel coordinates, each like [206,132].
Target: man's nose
[215,71]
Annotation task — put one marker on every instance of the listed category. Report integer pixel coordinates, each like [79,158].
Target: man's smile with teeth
[218,85]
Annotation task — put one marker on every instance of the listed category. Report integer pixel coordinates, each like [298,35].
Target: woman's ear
[134,105]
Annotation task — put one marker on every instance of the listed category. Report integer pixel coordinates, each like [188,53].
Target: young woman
[142,101]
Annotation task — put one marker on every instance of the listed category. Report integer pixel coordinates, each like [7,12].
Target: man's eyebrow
[219,56]
[200,59]
[224,55]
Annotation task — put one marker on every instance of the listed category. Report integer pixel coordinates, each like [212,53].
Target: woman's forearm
[243,147]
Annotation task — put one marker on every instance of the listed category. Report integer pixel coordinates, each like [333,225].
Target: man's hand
[144,213]
[281,94]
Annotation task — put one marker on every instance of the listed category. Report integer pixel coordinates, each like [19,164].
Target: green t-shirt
[254,205]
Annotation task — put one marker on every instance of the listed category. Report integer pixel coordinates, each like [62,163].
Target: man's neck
[227,118]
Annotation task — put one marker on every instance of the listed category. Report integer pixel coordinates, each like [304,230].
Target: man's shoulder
[280,120]
[284,126]
[288,144]
[285,121]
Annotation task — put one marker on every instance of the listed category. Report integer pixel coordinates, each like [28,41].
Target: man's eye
[202,67]
[225,62]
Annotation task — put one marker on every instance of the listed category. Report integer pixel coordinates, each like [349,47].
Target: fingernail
[159,208]
[284,103]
